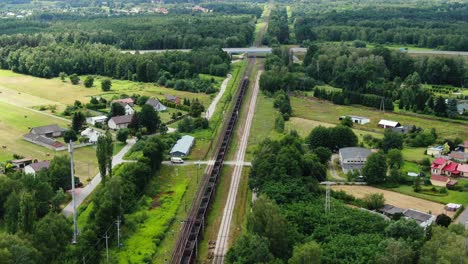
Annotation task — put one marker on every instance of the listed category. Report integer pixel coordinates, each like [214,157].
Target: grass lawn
[313,109]
[451,197]
[263,125]
[414,154]
[154,219]
[15,121]
[243,205]
[409,166]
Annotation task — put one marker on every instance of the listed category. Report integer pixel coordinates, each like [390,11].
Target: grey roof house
[353,158]
[36,167]
[158,106]
[182,147]
[48,131]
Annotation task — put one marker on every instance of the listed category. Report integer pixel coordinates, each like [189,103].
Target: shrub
[374,201]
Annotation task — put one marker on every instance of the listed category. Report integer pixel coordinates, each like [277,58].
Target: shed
[421,218]
[388,124]
[356,119]
[435,150]
[96,120]
[182,147]
[48,131]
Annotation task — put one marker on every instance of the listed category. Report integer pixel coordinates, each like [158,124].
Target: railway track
[187,244]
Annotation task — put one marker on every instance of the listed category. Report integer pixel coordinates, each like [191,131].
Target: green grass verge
[151,222]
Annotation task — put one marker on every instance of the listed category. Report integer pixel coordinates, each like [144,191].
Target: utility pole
[72,170]
[327,199]
[198,168]
[107,247]
[118,232]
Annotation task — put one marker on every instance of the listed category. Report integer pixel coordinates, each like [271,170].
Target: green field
[323,111]
[414,154]
[451,197]
[16,121]
[64,93]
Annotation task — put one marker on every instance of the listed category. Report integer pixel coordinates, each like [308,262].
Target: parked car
[176,160]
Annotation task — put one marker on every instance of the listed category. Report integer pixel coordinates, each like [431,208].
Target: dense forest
[136,32]
[439,26]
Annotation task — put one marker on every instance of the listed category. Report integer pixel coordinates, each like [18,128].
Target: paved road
[463,217]
[223,234]
[82,193]
[212,108]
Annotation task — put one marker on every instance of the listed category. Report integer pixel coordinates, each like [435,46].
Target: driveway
[211,109]
[82,193]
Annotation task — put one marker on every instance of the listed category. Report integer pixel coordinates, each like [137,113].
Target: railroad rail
[186,247]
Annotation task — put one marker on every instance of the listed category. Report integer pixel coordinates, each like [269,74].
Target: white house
[34,168]
[158,106]
[435,150]
[91,134]
[388,124]
[129,110]
[356,119]
[96,120]
[118,122]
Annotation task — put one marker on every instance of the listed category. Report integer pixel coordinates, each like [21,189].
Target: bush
[74,79]
[122,135]
[88,82]
[374,201]
[106,85]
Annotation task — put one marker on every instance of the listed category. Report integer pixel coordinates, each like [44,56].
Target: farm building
[182,147]
[158,106]
[21,163]
[356,119]
[435,150]
[173,99]
[44,141]
[353,158]
[50,131]
[388,124]
[403,129]
[459,156]
[36,167]
[421,218]
[96,120]
[118,122]
[91,135]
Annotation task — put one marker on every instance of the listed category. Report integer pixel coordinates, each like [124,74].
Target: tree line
[49,61]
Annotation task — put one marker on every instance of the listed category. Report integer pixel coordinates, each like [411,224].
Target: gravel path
[211,109]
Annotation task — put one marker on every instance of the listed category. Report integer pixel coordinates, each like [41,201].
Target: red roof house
[438,180]
[437,166]
[124,101]
[463,169]
[451,169]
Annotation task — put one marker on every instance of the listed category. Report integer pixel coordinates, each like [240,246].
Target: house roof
[463,168]
[171,97]
[125,119]
[95,118]
[420,217]
[21,160]
[464,145]
[354,117]
[438,162]
[183,145]
[439,178]
[42,130]
[451,167]
[452,182]
[40,165]
[354,153]
[458,155]
[391,210]
[153,102]
[123,101]
[389,123]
